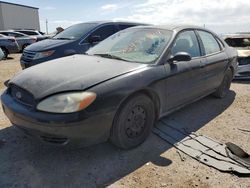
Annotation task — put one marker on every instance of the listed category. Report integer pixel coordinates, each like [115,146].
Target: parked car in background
[22,39]
[76,39]
[8,45]
[121,86]
[38,34]
[241,42]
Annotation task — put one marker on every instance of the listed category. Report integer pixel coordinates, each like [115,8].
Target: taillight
[12,39]
[34,39]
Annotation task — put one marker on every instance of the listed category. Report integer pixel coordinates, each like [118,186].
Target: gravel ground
[25,163]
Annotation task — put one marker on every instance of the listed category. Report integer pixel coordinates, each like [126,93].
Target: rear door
[216,59]
[186,80]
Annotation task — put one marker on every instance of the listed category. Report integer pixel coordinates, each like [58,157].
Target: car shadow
[8,58]
[25,163]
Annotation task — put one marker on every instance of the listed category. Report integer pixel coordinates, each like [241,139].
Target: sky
[221,16]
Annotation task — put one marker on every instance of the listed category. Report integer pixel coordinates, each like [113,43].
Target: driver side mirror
[94,38]
[180,56]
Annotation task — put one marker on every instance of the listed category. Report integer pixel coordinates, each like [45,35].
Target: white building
[15,16]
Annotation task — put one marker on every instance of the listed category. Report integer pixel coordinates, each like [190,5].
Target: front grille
[22,96]
[244,61]
[28,55]
[55,140]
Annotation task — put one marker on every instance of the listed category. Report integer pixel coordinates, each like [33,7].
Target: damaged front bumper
[243,71]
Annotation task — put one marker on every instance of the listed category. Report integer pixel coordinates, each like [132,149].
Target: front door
[186,78]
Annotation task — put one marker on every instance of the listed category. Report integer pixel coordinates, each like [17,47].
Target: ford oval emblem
[18,95]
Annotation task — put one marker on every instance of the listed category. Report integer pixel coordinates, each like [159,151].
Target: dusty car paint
[169,85]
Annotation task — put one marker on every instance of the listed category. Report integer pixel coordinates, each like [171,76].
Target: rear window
[28,32]
[209,42]
[238,42]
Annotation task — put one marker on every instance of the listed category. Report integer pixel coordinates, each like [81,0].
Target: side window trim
[202,48]
[222,46]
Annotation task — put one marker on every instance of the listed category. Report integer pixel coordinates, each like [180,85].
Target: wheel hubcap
[136,121]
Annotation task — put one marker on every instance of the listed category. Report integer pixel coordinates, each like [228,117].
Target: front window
[134,45]
[239,42]
[186,41]
[76,31]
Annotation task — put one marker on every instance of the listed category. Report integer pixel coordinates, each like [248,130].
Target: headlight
[43,54]
[67,102]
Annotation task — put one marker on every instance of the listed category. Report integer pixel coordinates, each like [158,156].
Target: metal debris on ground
[201,148]
[244,130]
[183,158]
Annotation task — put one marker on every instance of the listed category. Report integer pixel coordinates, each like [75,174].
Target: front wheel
[223,89]
[133,122]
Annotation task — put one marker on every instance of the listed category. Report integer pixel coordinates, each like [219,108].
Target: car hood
[77,72]
[47,45]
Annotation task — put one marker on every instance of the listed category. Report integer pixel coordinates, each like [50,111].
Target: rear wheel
[223,89]
[133,122]
[5,52]
[24,46]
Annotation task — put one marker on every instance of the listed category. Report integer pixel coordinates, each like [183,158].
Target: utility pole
[47,26]
[204,25]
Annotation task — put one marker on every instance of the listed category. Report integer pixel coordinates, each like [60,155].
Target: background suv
[38,34]
[76,39]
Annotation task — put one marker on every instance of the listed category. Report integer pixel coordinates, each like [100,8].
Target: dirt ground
[25,163]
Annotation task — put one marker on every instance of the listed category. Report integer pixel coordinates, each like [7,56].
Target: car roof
[26,30]
[236,35]
[174,27]
[117,22]
[10,31]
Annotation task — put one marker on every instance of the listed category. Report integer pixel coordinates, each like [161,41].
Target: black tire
[223,89]
[5,52]
[133,122]
[24,46]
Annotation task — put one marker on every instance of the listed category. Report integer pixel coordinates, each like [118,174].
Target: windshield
[135,45]
[75,31]
[238,42]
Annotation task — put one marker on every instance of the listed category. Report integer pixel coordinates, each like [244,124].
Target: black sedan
[120,87]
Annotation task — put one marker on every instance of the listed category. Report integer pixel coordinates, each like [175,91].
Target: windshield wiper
[110,56]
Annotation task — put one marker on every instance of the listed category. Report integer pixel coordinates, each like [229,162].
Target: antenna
[47,26]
